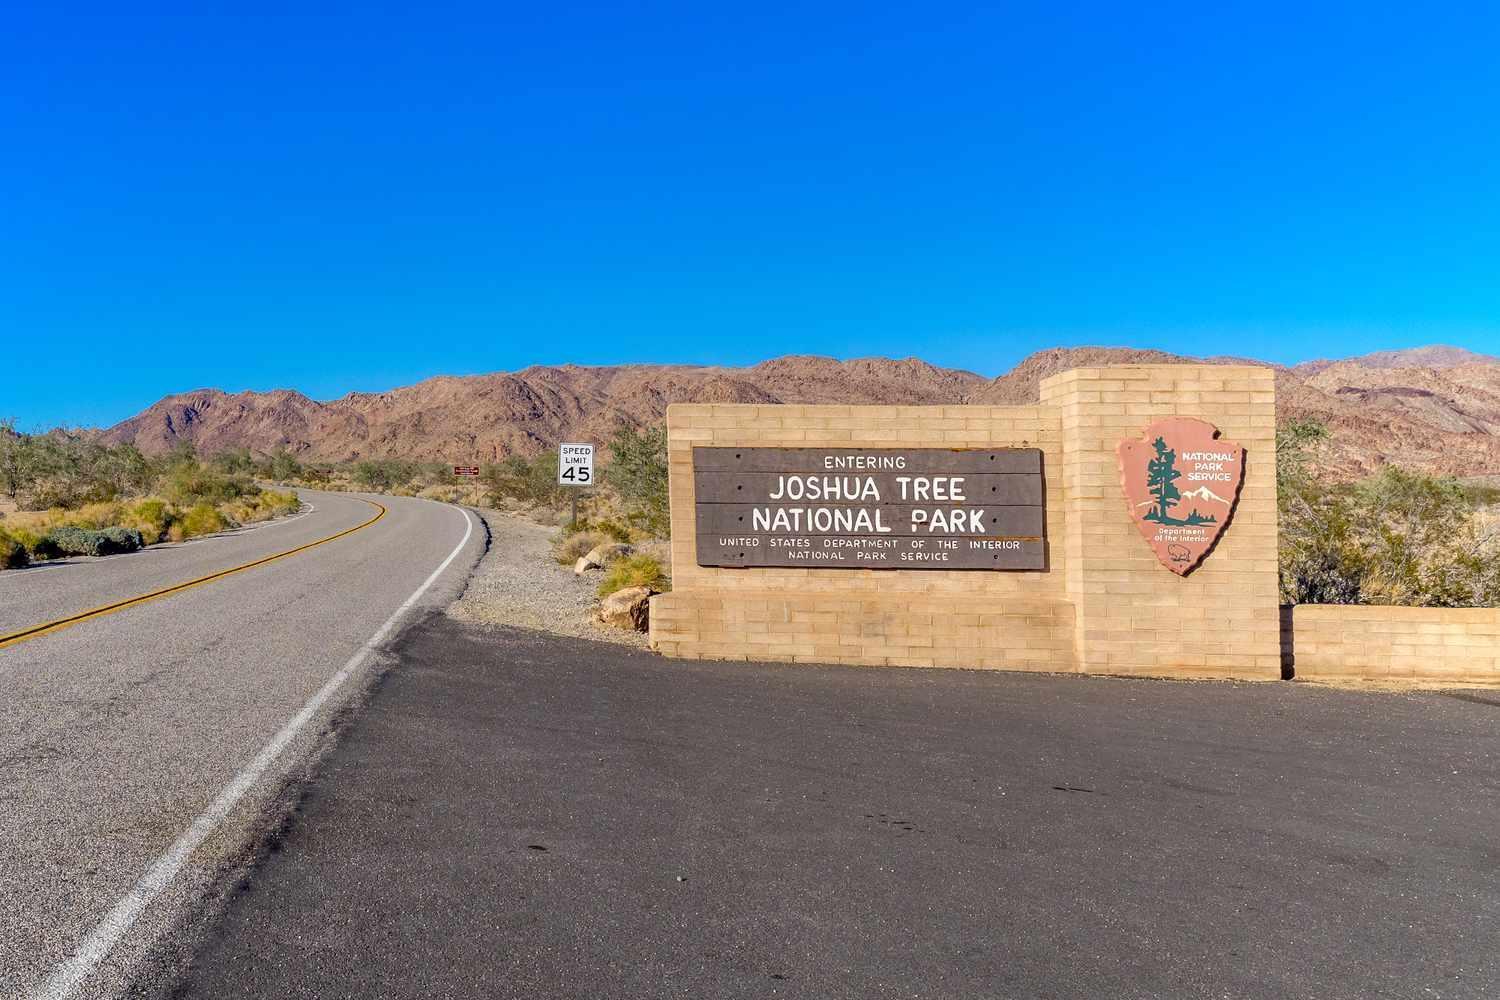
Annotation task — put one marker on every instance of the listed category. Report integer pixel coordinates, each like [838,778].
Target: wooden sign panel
[892,508]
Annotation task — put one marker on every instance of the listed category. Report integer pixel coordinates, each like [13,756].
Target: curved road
[142,752]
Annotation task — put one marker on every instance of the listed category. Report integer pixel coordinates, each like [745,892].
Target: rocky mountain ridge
[1433,408]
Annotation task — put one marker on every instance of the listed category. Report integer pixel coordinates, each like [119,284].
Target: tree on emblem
[1161,476]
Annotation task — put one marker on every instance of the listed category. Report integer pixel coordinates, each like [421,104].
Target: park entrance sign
[1181,483]
[985,535]
[870,508]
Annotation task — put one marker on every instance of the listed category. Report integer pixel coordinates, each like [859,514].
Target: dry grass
[639,570]
[155,517]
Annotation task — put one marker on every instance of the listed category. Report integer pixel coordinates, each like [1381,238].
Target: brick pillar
[1133,615]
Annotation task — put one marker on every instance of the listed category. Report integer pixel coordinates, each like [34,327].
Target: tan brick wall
[1013,620]
[916,630]
[1133,615]
[1104,604]
[1363,642]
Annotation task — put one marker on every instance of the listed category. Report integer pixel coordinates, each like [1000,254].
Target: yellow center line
[59,624]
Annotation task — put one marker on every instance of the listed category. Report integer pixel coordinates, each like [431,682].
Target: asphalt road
[120,732]
[514,815]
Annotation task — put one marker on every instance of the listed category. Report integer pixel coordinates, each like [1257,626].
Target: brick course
[1378,643]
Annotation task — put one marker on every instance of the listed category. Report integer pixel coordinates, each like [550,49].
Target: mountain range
[1432,408]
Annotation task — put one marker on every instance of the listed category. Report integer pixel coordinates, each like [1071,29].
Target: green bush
[202,519]
[70,541]
[532,481]
[234,461]
[73,541]
[123,539]
[189,485]
[639,570]
[151,517]
[279,503]
[13,554]
[282,466]
[28,538]
[20,460]
[638,472]
[381,475]
[1397,537]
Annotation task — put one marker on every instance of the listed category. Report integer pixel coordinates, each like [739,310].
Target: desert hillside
[1435,408]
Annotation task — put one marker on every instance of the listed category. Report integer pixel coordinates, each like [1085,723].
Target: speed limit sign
[575,464]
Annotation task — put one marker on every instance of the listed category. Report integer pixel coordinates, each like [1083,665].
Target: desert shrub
[234,462]
[639,570]
[245,511]
[614,529]
[60,469]
[151,517]
[436,474]
[261,507]
[52,494]
[282,466]
[13,554]
[29,537]
[280,502]
[532,481]
[97,515]
[122,539]
[311,474]
[571,547]
[1397,537]
[19,460]
[638,473]
[201,519]
[70,540]
[381,475]
[189,485]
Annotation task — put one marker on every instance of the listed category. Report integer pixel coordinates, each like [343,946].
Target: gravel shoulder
[518,584]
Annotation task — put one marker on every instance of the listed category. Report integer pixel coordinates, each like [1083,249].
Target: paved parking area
[521,815]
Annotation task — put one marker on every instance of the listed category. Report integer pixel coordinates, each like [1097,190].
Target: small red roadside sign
[466,470]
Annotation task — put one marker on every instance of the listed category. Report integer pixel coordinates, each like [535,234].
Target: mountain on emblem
[1203,493]
[1181,483]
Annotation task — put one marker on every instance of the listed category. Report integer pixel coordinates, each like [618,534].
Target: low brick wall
[934,630]
[1379,643]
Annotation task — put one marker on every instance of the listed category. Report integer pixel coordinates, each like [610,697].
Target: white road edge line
[107,933]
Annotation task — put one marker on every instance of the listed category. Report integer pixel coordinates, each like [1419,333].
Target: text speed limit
[575,464]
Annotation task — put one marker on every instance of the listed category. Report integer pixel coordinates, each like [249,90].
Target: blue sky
[357,198]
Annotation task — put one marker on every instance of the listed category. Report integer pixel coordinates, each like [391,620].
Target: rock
[601,556]
[629,608]
[609,552]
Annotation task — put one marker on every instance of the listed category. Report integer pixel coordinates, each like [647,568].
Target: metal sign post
[575,467]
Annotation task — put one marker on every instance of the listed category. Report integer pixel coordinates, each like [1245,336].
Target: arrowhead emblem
[1181,484]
